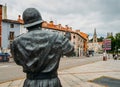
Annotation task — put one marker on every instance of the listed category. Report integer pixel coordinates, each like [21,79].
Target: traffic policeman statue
[38,51]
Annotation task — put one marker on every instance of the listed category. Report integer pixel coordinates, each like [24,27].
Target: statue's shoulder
[52,34]
[48,32]
[19,35]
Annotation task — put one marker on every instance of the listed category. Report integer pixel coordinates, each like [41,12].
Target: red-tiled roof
[64,29]
[84,35]
[11,21]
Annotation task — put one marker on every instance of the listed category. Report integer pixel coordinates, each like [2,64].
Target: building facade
[95,45]
[78,42]
[10,30]
[78,38]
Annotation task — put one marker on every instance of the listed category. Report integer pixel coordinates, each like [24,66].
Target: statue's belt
[39,76]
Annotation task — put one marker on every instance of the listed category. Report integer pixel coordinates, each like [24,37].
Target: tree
[112,43]
[91,40]
[100,39]
[117,41]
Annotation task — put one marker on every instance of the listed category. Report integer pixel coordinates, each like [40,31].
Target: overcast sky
[83,15]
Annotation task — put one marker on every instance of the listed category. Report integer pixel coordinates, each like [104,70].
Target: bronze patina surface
[39,51]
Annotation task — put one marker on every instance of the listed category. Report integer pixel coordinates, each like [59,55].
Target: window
[11,35]
[11,25]
[74,37]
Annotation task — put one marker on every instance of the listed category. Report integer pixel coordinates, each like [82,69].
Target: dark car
[4,57]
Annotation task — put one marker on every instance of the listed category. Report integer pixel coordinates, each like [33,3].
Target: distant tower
[109,34]
[4,12]
[95,36]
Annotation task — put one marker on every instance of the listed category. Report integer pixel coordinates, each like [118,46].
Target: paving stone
[21,84]
[63,82]
[15,83]
[6,84]
[79,76]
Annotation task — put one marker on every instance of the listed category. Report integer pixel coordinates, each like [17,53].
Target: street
[11,71]
[79,72]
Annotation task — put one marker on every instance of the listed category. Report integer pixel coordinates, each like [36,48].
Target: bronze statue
[38,51]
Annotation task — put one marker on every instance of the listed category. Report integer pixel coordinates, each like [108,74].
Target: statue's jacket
[38,52]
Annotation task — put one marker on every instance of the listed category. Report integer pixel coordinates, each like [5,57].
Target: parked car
[4,57]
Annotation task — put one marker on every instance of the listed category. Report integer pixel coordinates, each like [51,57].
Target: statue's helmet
[31,17]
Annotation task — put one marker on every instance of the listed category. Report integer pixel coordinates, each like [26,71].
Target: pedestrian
[38,51]
[115,57]
[104,56]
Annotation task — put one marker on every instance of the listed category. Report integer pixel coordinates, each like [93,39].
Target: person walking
[115,57]
[104,56]
[39,51]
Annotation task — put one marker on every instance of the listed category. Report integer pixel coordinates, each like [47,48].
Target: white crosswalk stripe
[3,66]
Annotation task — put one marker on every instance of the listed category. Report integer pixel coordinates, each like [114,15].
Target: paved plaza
[81,76]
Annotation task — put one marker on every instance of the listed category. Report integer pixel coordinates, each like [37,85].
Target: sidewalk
[81,76]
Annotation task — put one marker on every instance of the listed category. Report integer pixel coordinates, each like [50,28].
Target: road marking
[4,66]
[63,73]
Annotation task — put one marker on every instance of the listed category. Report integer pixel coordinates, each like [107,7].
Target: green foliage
[112,43]
[115,42]
[100,39]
